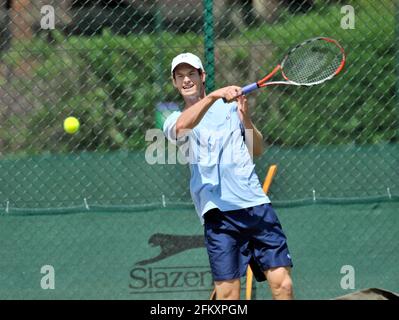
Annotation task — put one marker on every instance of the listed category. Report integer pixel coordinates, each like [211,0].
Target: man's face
[188,80]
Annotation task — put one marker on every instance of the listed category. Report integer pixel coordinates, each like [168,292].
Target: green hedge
[112,84]
[358,106]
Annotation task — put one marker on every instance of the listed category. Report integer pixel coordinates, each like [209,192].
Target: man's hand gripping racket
[312,62]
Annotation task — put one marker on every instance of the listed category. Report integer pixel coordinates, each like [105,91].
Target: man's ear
[174,81]
[203,77]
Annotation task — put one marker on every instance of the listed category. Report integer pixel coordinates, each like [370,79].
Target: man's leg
[227,250]
[228,289]
[280,283]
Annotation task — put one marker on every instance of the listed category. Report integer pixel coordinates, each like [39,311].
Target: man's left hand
[243,110]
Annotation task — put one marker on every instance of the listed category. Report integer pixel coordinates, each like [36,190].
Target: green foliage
[113,83]
[356,107]
[110,83]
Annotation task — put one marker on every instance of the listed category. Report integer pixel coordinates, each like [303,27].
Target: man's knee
[228,294]
[228,290]
[283,288]
[280,283]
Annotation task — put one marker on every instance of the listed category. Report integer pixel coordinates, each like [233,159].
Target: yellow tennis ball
[71,125]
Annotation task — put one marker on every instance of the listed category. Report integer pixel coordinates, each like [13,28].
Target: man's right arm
[190,117]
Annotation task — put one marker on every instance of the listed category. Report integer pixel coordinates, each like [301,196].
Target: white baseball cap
[188,58]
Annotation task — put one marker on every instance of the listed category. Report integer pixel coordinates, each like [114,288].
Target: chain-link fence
[107,63]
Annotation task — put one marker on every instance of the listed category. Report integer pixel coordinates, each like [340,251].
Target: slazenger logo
[170,279]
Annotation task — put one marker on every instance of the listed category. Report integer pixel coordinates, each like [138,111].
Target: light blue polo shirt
[222,171]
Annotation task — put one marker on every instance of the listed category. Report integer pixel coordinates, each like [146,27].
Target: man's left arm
[253,139]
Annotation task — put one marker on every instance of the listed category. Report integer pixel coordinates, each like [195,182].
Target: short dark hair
[199,72]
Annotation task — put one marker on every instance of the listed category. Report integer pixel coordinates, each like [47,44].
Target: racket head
[314,61]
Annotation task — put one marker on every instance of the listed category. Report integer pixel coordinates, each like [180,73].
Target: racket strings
[312,62]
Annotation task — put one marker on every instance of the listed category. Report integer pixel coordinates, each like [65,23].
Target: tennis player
[240,224]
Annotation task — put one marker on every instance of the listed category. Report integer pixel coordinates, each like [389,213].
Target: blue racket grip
[247,89]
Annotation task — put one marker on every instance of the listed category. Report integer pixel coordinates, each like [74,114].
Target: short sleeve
[169,126]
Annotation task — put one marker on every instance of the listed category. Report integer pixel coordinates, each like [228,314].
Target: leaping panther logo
[172,244]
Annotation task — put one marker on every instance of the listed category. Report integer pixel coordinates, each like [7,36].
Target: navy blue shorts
[237,238]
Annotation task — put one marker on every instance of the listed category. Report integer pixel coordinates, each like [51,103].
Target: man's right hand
[229,93]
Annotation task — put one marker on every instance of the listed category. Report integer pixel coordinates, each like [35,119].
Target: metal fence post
[209,45]
[397,66]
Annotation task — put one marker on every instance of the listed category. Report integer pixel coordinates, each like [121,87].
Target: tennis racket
[312,62]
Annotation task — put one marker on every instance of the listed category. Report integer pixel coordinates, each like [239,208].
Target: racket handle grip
[247,89]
